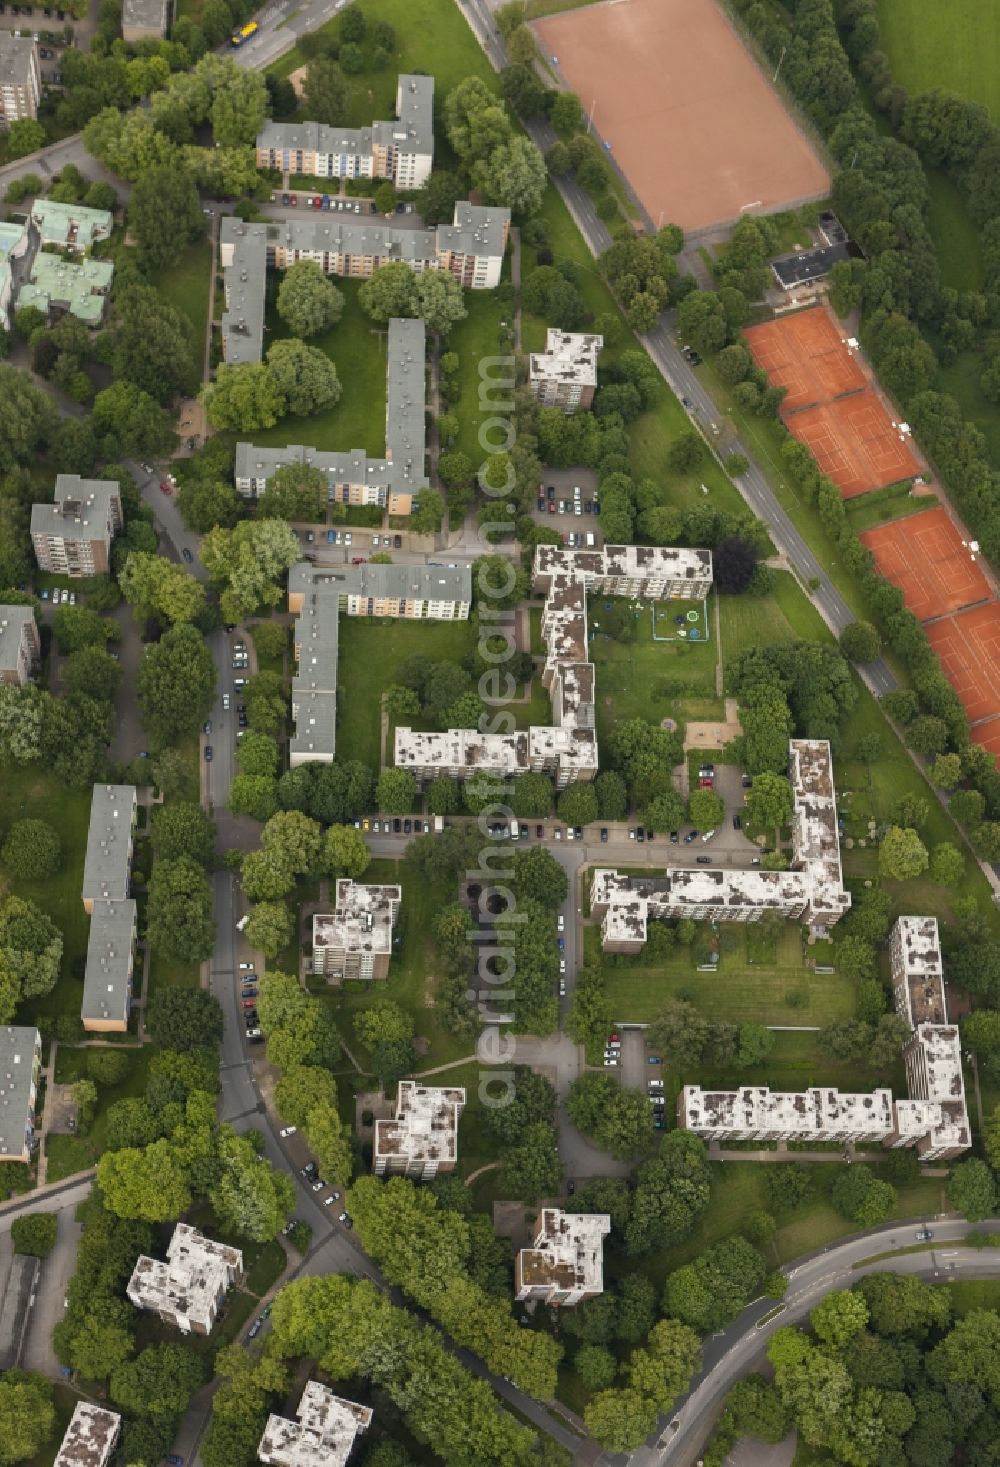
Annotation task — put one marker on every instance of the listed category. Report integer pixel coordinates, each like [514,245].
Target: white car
[225,700]
[562,965]
[288,1131]
[347,537]
[561,923]
[246,967]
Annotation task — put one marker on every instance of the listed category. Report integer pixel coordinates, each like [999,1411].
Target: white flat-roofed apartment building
[323,1436]
[565,1265]
[187,1290]
[566,749]
[318,595]
[20,644]
[812,891]
[354,477]
[91,1437]
[422,1140]
[20,1064]
[564,375]
[20,79]
[355,939]
[72,536]
[933,1118]
[401,150]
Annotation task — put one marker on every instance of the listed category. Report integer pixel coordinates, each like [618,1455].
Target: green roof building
[77,286]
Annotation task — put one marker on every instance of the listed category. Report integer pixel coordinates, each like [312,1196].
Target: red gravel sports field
[924,556]
[969,648]
[805,352]
[693,122]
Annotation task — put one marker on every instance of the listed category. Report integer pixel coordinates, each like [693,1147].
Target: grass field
[895,502]
[68,1154]
[371,654]
[961,380]
[952,46]
[186,286]
[955,236]
[33,794]
[754,621]
[357,347]
[640,679]
[748,986]
[475,339]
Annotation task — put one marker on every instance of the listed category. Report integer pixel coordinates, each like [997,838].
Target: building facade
[566,749]
[564,375]
[355,939]
[401,151]
[188,1290]
[91,1437]
[20,644]
[323,1435]
[565,1265]
[72,536]
[20,78]
[20,1065]
[423,1139]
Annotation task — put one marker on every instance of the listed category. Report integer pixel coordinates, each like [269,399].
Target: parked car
[208,753]
[604,835]
[318,1185]
[288,1131]
[346,1219]
[703,860]
[653,1059]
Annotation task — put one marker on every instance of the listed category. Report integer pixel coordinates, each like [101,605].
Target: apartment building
[566,750]
[20,644]
[319,595]
[91,1437]
[355,939]
[20,79]
[471,248]
[323,1436]
[13,245]
[933,1118]
[564,375]
[353,477]
[71,227]
[565,1265]
[812,891]
[78,287]
[423,1139]
[145,20]
[110,835]
[107,980]
[243,260]
[20,1063]
[402,151]
[72,536]
[187,1290]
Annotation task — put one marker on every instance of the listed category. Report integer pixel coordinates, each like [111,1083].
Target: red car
[552,506]
[705,784]
[358,560]
[249,1003]
[166,488]
[318,201]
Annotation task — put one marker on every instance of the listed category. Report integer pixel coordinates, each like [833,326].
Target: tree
[387,1031]
[32,850]
[253,794]
[308,300]
[31,949]
[618,1121]
[861,642]
[391,291]
[443,795]
[856,958]
[680,1033]
[303,377]
[705,809]
[538,876]
[34,1233]
[947,864]
[902,854]
[514,176]
[589,1019]
[345,851]
[149,341]
[107,1066]
[712,1290]
[151,1184]
[324,91]
[770,802]
[251,1198]
[972,1189]
[596,1367]
[184,1018]
[428,509]
[532,1169]
[179,914]
[395,791]
[839,1317]
[244,396]
[566,114]
[270,928]
[663,1370]
[239,107]
[27,1415]
[250,561]
[76,627]
[476,122]
[734,561]
[577,804]
[91,673]
[859,1196]
[685,452]
[439,301]
[701,317]
[157,587]
[175,685]
[164,215]
[159,1382]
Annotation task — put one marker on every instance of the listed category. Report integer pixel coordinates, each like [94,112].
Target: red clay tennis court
[853,441]
[969,648]
[924,556]
[806,354]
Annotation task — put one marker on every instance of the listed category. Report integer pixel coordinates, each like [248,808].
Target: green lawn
[641,679]
[952,46]
[371,654]
[476,339]
[412,973]
[894,502]
[754,621]
[357,347]
[68,1154]
[31,793]
[955,236]
[187,287]
[961,380]
[754,982]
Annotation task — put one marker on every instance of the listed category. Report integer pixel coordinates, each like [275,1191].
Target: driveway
[53,1281]
[128,737]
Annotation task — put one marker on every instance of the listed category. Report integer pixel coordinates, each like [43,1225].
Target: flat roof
[568,1251]
[107,978]
[15,59]
[79,284]
[569,356]
[13,620]
[916,960]
[90,1437]
[245,279]
[81,509]
[803,266]
[805,1112]
[403,582]
[18,1047]
[63,223]
[425,1127]
[411,132]
[323,1435]
[197,1272]
[362,918]
[109,838]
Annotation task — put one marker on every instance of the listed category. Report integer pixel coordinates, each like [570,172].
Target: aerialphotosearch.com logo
[496,961]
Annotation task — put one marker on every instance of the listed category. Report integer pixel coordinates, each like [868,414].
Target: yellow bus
[244,33]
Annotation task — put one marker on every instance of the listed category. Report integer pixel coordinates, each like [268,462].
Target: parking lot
[557,501]
[638,1067]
